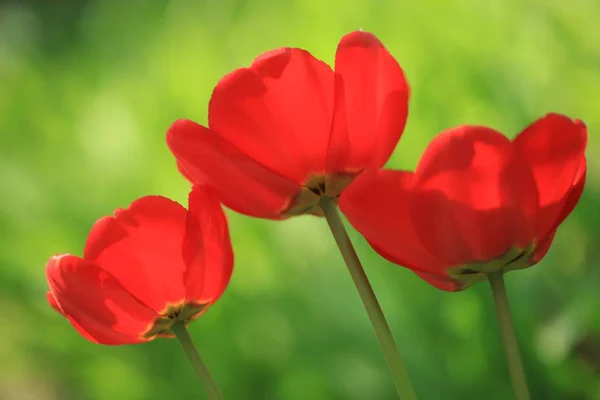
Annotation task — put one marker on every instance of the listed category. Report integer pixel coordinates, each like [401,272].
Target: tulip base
[183,335]
[316,187]
[365,291]
[511,346]
[515,258]
[184,313]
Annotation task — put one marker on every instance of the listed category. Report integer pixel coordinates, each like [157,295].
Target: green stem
[382,330]
[188,346]
[511,346]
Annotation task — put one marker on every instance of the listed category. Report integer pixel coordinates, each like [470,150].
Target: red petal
[572,199]
[542,247]
[141,247]
[96,303]
[371,100]
[54,304]
[207,247]
[278,111]
[474,198]
[574,194]
[376,204]
[244,184]
[554,146]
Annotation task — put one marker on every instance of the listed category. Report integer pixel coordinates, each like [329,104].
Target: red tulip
[476,203]
[149,266]
[288,129]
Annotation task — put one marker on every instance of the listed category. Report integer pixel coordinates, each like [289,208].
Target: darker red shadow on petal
[371,104]
[542,248]
[244,184]
[95,302]
[277,112]
[376,204]
[554,147]
[474,198]
[141,247]
[206,248]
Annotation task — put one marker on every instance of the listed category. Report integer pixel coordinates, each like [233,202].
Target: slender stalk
[188,346]
[511,346]
[365,291]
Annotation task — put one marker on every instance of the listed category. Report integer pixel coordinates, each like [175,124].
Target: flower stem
[365,291]
[511,346]
[188,346]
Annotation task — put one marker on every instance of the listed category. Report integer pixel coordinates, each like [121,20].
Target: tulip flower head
[477,202]
[150,266]
[289,129]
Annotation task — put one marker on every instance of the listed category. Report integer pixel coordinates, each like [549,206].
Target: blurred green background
[87,91]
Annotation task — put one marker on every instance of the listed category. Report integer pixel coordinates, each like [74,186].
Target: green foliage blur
[87,91]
